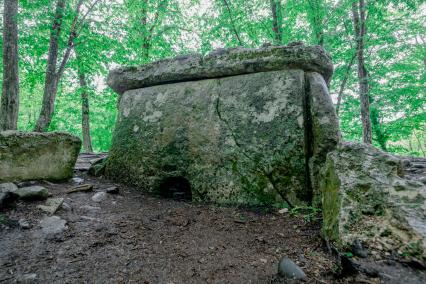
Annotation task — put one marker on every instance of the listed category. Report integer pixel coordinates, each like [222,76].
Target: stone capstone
[248,135]
[367,198]
[37,156]
[222,63]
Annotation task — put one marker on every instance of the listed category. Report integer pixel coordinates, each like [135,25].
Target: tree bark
[277,21]
[50,82]
[10,92]
[358,13]
[85,118]
[53,72]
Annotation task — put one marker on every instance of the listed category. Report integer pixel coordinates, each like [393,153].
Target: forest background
[95,36]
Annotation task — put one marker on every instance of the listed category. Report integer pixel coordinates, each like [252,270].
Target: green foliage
[132,32]
[309,213]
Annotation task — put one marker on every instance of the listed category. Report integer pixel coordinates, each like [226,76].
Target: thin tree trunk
[85,118]
[358,13]
[53,72]
[50,83]
[277,21]
[343,84]
[10,93]
[234,29]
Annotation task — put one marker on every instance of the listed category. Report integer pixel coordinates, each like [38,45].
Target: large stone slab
[222,63]
[238,139]
[367,199]
[36,156]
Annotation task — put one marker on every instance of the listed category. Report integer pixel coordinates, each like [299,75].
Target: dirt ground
[132,237]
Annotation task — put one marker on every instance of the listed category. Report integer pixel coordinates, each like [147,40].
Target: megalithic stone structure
[240,126]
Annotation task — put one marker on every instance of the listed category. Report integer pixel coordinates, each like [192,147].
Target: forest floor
[134,237]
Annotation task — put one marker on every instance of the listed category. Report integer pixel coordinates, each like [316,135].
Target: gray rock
[359,250]
[77,180]
[365,198]
[53,225]
[37,156]
[89,208]
[99,196]
[35,192]
[8,187]
[28,278]
[24,224]
[222,63]
[7,199]
[112,190]
[290,270]
[67,207]
[52,205]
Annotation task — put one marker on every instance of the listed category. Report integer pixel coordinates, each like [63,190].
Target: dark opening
[177,188]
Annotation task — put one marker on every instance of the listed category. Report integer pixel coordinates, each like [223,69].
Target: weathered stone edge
[222,63]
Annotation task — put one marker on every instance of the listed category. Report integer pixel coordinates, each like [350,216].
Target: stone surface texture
[242,138]
[367,198]
[37,156]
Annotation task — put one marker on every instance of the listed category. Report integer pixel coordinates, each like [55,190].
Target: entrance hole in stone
[177,188]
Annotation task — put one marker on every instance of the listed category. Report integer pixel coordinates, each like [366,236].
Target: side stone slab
[366,198]
[238,139]
[36,156]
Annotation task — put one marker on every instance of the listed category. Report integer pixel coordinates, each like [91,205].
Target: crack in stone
[260,170]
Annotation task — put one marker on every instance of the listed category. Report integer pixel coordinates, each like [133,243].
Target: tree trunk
[51,80]
[85,119]
[10,94]
[54,73]
[277,21]
[358,13]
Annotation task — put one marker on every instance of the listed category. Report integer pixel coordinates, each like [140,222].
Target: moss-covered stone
[36,156]
[236,139]
[365,198]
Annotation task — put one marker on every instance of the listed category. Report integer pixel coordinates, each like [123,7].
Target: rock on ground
[35,192]
[53,225]
[290,270]
[52,205]
[366,198]
[99,196]
[37,156]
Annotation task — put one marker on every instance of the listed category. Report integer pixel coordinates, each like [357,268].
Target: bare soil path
[132,237]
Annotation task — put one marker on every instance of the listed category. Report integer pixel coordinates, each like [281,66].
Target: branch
[232,23]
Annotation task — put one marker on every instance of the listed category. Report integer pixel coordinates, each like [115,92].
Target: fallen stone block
[37,156]
[52,205]
[366,199]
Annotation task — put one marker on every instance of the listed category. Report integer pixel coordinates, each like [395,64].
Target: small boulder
[24,224]
[99,196]
[112,190]
[290,270]
[52,205]
[7,199]
[53,225]
[35,192]
[8,187]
